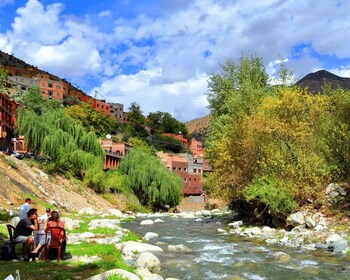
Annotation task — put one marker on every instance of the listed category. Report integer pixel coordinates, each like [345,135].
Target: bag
[8,252]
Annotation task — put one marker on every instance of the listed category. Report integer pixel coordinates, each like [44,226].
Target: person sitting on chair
[53,221]
[24,229]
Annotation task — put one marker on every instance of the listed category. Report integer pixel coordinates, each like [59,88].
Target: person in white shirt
[23,210]
[45,216]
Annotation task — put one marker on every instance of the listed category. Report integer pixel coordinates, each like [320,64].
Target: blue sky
[160,53]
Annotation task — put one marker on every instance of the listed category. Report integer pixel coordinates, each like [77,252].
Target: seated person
[53,221]
[24,229]
[45,216]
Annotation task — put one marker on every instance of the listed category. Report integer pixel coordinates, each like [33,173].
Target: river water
[219,256]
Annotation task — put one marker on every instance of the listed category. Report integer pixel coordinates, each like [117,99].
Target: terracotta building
[114,152]
[8,109]
[189,169]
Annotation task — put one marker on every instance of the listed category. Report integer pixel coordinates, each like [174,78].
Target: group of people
[29,223]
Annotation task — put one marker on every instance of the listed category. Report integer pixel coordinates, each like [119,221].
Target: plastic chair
[55,238]
[11,231]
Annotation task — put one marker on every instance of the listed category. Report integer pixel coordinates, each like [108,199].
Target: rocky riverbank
[321,235]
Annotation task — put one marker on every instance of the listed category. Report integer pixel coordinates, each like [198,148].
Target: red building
[187,168]
[99,105]
[8,109]
[114,152]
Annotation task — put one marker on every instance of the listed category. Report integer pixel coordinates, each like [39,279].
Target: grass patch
[10,162]
[115,277]
[111,258]
[130,236]
[4,215]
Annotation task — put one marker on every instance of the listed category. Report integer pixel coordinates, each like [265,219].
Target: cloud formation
[162,57]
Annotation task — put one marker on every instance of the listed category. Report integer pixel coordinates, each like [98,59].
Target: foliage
[152,183]
[164,122]
[275,145]
[91,119]
[166,143]
[50,132]
[135,127]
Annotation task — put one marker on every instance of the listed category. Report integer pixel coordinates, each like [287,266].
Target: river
[220,256]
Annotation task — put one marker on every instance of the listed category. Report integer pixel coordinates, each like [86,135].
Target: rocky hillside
[19,180]
[198,127]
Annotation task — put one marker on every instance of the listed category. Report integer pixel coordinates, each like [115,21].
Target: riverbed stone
[252,231]
[149,261]
[158,221]
[310,223]
[145,274]
[150,235]
[146,222]
[338,246]
[130,248]
[296,219]
[179,248]
[123,273]
[281,257]
[235,224]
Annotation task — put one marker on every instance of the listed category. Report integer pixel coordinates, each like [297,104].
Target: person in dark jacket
[24,229]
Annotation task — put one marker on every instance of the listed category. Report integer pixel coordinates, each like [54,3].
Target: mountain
[198,127]
[314,82]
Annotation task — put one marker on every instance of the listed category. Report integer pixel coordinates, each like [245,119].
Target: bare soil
[21,181]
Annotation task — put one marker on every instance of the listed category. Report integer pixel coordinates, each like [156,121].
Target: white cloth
[23,210]
[44,217]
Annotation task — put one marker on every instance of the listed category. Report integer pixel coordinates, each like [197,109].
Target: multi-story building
[117,110]
[52,89]
[8,109]
[99,105]
[114,152]
[188,168]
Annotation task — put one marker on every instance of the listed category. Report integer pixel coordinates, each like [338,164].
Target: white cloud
[163,62]
[184,100]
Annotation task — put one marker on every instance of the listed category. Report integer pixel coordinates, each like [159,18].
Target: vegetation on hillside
[70,149]
[277,146]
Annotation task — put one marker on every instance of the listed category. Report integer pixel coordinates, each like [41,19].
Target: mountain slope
[19,180]
[314,82]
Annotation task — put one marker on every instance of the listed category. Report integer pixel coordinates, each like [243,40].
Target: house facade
[8,108]
[114,152]
[187,168]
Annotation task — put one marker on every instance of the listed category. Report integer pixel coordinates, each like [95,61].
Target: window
[49,85]
[58,94]
[194,170]
[43,85]
[179,168]
[58,87]
[174,168]
[189,179]
[185,179]
[185,169]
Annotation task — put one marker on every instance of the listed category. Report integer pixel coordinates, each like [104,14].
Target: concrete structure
[117,111]
[24,83]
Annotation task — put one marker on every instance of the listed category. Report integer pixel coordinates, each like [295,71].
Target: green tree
[48,131]
[164,122]
[135,127]
[91,119]
[152,183]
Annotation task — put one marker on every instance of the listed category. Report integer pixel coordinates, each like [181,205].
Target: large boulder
[132,247]
[296,219]
[149,261]
[123,273]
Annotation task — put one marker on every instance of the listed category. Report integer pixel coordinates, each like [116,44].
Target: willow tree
[152,183]
[48,131]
